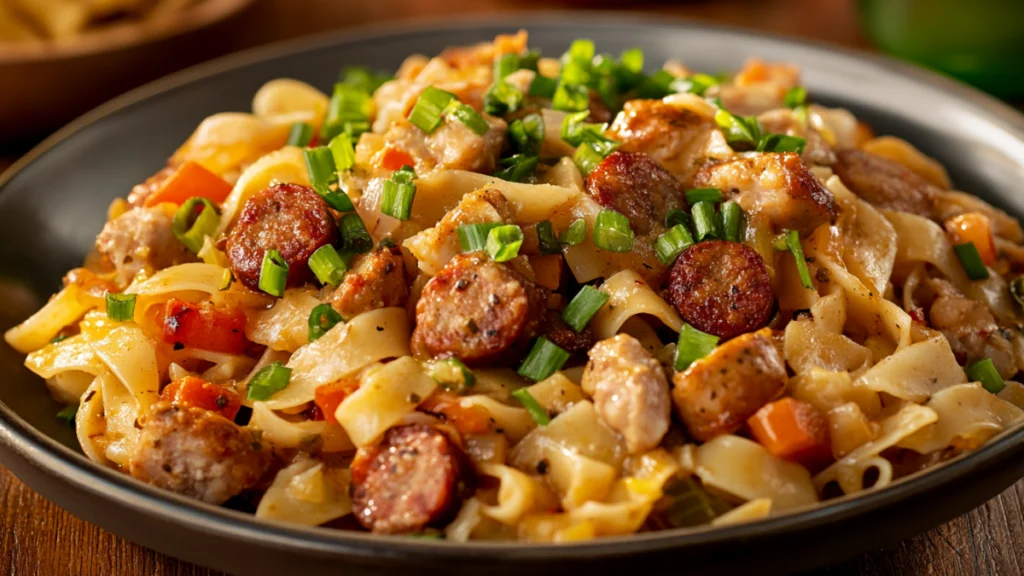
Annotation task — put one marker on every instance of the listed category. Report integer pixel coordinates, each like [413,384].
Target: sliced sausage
[556,330]
[475,309]
[721,288]
[630,391]
[674,137]
[886,183]
[717,393]
[634,185]
[777,189]
[414,478]
[289,218]
[197,453]
[141,239]
[377,280]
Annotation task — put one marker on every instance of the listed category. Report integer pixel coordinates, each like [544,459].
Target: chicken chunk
[970,328]
[141,239]
[784,121]
[630,391]
[452,146]
[377,280]
[675,137]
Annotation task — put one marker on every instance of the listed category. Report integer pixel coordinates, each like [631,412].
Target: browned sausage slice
[476,309]
[721,288]
[633,184]
[414,478]
[717,393]
[885,183]
[556,330]
[289,218]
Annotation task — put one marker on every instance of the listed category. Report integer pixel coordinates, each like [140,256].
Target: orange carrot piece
[329,396]
[975,228]
[190,180]
[194,391]
[204,327]
[792,429]
[466,419]
[548,269]
[393,159]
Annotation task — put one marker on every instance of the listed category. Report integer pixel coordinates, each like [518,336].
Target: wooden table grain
[38,538]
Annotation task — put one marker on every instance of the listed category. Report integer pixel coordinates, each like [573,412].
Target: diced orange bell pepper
[975,228]
[204,327]
[329,396]
[194,391]
[794,430]
[466,419]
[188,181]
[393,159]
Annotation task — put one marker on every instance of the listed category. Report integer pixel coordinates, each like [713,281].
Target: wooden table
[38,538]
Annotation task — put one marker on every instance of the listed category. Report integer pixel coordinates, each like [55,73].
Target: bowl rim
[54,458]
[124,35]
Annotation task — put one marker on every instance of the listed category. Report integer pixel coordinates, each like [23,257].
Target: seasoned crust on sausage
[717,393]
[289,218]
[475,309]
[674,137]
[141,239]
[721,288]
[886,183]
[555,329]
[774,188]
[377,280]
[197,453]
[634,185]
[630,391]
[414,478]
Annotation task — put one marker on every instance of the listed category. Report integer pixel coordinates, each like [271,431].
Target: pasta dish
[501,296]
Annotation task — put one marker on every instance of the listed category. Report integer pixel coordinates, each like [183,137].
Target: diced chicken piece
[453,146]
[717,393]
[377,280]
[970,328]
[777,189]
[784,121]
[630,391]
[141,239]
[758,87]
[675,137]
[886,183]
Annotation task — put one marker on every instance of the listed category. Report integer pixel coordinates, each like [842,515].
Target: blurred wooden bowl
[45,85]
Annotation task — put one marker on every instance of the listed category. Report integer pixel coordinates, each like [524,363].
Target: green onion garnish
[655,86]
[612,232]
[399,192]
[583,307]
[685,503]
[67,414]
[363,78]
[464,113]
[321,168]
[984,371]
[120,307]
[971,261]
[354,237]
[348,104]
[529,60]
[544,359]
[517,168]
[342,152]
[695,195]
[274,273]
[59,338]
[426,113]
[537,412]
[473,237]
[793,244]
[527,133]
[575,234]
[633,60]
[543,87]
[268,381]
[697,84]
[453,374]
[732,221]
[781,143]
[796,96]
[327,265]
[322,319]
[738,129]
[502,97]
[574,128]
[504,65]
[677,217]
[705,225]
[671,244]
[587,158]
[693,345]
[571,97]
[191,229]
[300,135]
[503,242]
[547,239]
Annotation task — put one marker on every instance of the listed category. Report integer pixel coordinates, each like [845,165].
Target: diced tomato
[393,159]
[205,327]
[975,228]
[329,396]
[189,180]
[194,391]
[466,419]
[794,430]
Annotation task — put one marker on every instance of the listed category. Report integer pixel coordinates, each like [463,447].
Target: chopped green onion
[342,152]
[580,49]
[339,201]
[583,307]
[612,232]
[59,339]
[363,78]
[503,242]
[1017,290]
[404,175]
[300,135]
[543,87]
[676,217]
[547,239]
[692,346]
[571,97]
[800,113]
[348,102]
[426,113]
[781,143]
[354,237]
[120,307]
[502,97]
[471,118]
[685,504]
[453,374]
[633,60]
[536,411]
[67,414]
[473,237]
[671,244]
[273,273]
[575,234]
[322,319]
[504,65]
[695,195]
[192,229]
[586,159]
[327,265]
[793,243]
[796,96]
[517,168]
[544,359]
[321,168]
[268,381]
[574,128]
[738,129]
[697,84]
[984,371]
[655,86]
[732,221]
[779,243]
[971,261]
[227,278]
[705,225]
[527,133]
[352,128]
[399,193]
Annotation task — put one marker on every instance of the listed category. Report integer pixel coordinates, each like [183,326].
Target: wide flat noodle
[308,493]
[744,469]
[968,415]
[915,372]
[37,330]
[385,395]
[630,295]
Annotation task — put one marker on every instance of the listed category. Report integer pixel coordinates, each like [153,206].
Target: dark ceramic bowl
[54,201]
